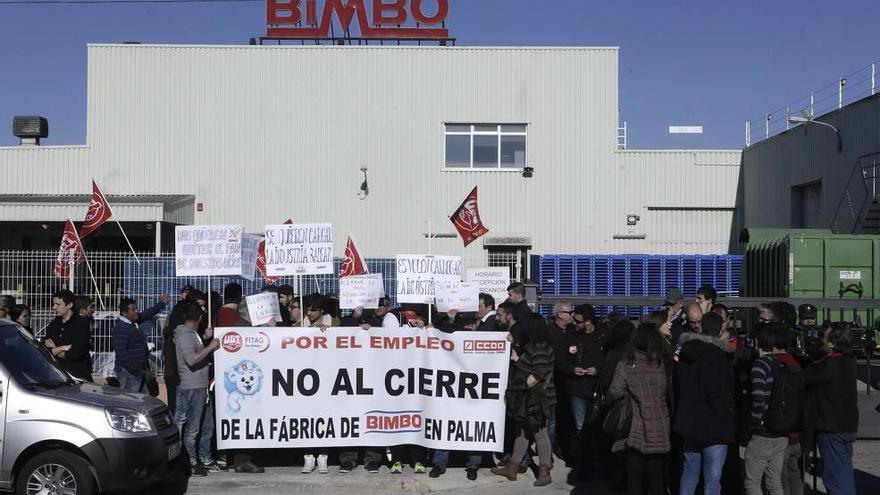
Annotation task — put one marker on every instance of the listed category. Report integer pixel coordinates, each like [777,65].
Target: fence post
[71,264]
[840,86]
[748,134]
[767,126]
[873,78]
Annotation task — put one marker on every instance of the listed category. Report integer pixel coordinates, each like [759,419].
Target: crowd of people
[662,405]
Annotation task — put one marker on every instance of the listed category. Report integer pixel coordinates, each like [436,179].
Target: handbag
[619,418]
[599,405]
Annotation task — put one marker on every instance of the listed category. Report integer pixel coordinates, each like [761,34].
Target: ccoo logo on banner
[350,387]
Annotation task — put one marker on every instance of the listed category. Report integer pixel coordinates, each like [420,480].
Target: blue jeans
[441,459]
[712,459]
[190,417]
[837,454]
[129,382]
[579,407]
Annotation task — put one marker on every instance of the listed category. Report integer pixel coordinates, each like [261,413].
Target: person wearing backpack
[777,408]
[834,412]
[705,414]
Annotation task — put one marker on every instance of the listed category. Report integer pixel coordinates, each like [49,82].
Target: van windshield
[26,361]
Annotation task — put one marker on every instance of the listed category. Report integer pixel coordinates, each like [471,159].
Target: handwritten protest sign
[214,250]
[361,291]
[249,248]
[460,296]
[263,308]
[299,249]
[417,274]
[492,281]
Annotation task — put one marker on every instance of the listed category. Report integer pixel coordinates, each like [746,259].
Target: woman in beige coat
[643,375]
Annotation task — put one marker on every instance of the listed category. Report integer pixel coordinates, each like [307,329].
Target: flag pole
[89,266]
[430,318]
[120,226]
[302,309]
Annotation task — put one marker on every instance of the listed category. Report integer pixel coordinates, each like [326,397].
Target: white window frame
[473,132]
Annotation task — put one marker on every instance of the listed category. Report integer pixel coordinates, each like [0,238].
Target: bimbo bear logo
[241,381]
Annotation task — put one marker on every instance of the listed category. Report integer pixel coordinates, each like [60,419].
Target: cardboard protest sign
[249,249]
[460,296]
[263,308]
[492,280]
[417,274]
[348,387]
[361,291]
[299,249]
[202,250]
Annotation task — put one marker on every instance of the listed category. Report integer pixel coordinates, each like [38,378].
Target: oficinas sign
[387,19]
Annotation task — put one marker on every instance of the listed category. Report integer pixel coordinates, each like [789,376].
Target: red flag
[261,259]
[99,212]
[467,219]
[352,263]
[69,241]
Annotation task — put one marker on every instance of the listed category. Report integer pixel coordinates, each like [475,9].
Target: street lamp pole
[805,121]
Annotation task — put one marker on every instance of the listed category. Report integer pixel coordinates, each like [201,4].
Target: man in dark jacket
[517,295]
[705,417]
[578,359]
[130,343]
[833,410]
[68,337]
[488,321]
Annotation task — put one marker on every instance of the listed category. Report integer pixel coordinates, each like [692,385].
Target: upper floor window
[486,146]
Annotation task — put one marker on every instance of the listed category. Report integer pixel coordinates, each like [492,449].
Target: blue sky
[709,63]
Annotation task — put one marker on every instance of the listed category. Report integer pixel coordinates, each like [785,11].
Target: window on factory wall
[486,146]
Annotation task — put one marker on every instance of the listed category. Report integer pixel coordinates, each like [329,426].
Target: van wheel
[56,472]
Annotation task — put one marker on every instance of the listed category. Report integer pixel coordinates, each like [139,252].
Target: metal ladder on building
[859,209]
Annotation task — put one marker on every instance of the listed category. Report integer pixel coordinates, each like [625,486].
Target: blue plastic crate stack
[634,275]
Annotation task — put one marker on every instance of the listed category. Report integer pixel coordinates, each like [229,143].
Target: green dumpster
[812,263]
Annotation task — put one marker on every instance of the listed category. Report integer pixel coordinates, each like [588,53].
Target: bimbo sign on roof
[379,19]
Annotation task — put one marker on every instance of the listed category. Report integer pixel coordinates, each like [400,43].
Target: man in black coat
[69,338]
[705,417]
[488,320]
[578,360]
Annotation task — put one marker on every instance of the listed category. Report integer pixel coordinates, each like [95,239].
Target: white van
[60,436]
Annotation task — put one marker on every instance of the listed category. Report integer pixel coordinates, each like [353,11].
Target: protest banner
[361,291]
[458,296]
[492,280]
[263,308]
[299,249]
[417,274]
[214,250]
[347,387]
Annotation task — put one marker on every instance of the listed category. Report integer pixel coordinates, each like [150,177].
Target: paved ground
[288,480]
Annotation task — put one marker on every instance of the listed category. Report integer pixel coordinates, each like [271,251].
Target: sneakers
[420,468]
[322,464]
[472,474]
[213,467]
[372,467]
[346,467]
[308,464]
[396,468]
[436,472]
[198,470]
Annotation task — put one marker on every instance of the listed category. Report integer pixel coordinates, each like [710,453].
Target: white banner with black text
[290,387]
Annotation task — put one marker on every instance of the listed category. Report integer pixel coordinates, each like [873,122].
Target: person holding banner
[530,397]
[285,299]
[227,316]
[317,318]
[68,337]
[486,312]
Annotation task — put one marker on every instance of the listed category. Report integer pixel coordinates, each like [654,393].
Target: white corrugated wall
[260,134]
